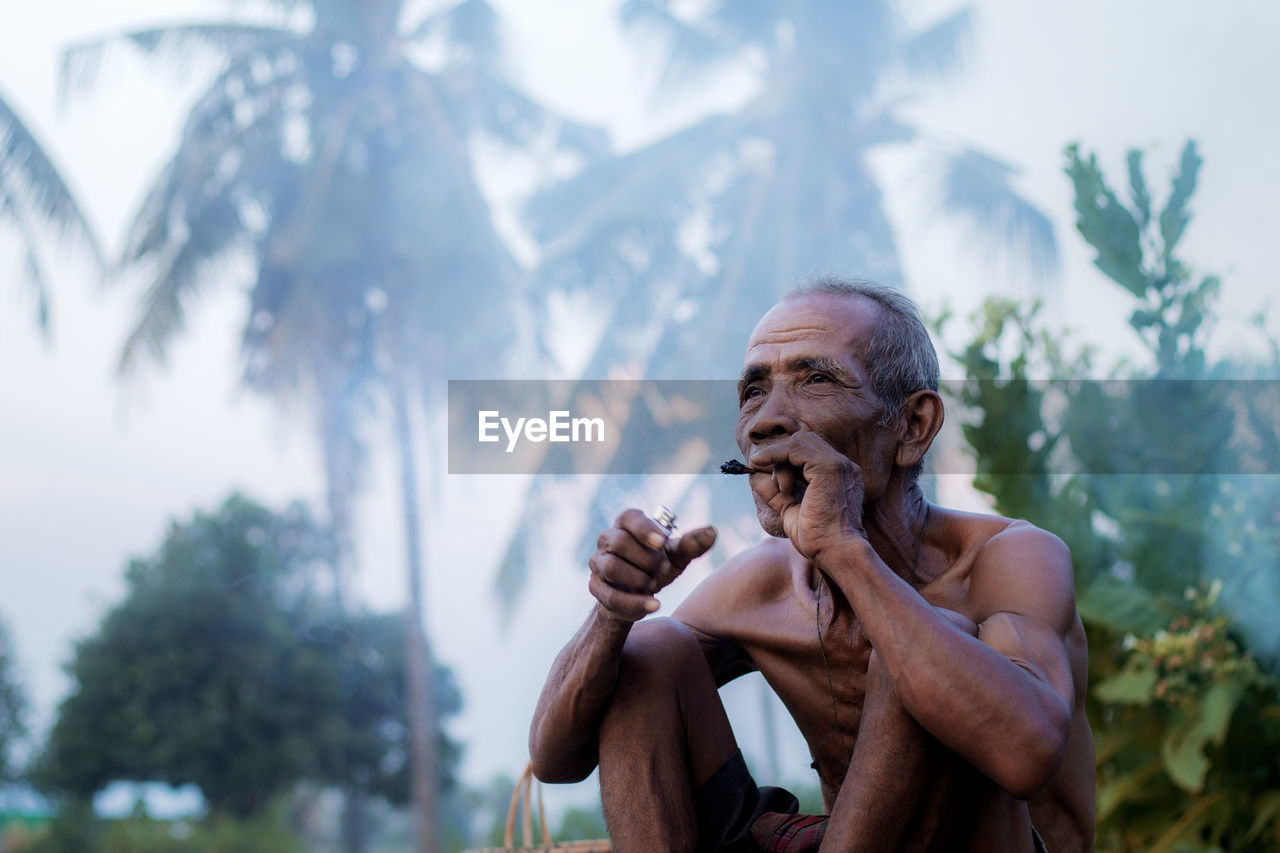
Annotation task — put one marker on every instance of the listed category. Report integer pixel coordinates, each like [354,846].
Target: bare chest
[814,653]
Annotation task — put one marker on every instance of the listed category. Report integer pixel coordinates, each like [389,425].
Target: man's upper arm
[1024,603]
[709,612]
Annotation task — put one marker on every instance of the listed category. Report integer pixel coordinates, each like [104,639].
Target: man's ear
[919,420]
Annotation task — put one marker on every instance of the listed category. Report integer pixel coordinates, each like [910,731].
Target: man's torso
[782,619]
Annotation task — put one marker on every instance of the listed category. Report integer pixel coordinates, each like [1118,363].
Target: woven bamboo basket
[523,796]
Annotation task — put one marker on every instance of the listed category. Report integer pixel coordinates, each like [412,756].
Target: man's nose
[774,418]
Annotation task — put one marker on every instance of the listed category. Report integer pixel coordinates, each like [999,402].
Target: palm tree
[33,195]
[731,209]
[683,244]
[333,147]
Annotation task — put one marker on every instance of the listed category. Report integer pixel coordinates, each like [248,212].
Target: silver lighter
[666,519]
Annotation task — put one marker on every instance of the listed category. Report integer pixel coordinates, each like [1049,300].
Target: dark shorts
[735,816]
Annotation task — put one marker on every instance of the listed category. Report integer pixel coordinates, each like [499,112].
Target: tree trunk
[355,820]
[424,763]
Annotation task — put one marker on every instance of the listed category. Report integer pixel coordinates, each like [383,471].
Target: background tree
[333,147]
[13,705]
[33,196]
[1146,477]
[225,667]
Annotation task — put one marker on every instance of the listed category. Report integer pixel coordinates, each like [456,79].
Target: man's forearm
[563,736]
[1003,720]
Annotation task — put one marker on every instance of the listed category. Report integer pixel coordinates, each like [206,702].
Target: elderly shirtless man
[933,659]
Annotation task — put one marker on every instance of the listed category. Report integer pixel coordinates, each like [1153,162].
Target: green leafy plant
[1143,475]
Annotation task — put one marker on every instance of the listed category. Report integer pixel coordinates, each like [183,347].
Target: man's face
[805,369]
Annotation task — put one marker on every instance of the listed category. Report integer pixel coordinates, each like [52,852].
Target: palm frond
[177,45]
[690,52]
[940,50]
[212,226]
[471,25]
[34,181]
[485,102]
[650,183]
[884,126]
[236,119]
[748,22]
[35,277]
[978,189]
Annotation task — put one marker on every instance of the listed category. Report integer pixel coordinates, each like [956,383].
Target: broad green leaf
[1123,607]
[1182,748]
[1174,218]
[1138,187]
[1132,685]
[1192,819]
[1266,810]
[1142,318]
[1106,224]
[1116,791]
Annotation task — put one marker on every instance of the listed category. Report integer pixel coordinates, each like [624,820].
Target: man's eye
[819,377]
[752,391]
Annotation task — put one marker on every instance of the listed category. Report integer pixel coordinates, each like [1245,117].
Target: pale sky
[91,473]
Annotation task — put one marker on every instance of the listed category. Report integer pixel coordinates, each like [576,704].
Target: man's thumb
[691,545]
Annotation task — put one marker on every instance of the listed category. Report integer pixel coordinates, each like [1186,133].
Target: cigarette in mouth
[733,466]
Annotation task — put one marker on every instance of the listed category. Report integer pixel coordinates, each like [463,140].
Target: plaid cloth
[802,833]
[735,816]
[789,833]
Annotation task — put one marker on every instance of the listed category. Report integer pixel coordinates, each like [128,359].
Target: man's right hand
[635,559]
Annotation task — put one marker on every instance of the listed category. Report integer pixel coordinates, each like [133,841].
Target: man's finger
[787,477]
[794,452]
[624,544]
[796,460]
[620,574]
[629,606]
[642,527]
[683,549]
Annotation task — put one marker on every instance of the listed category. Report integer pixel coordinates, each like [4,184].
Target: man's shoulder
[987,535]
[760,567]
[753,577]
[1017,565]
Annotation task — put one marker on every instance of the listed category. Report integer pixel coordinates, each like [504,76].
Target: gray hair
[901,359]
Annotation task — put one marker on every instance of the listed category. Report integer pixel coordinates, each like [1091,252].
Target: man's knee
[663,650]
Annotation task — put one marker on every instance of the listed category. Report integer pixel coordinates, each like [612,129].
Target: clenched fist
[635,559]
